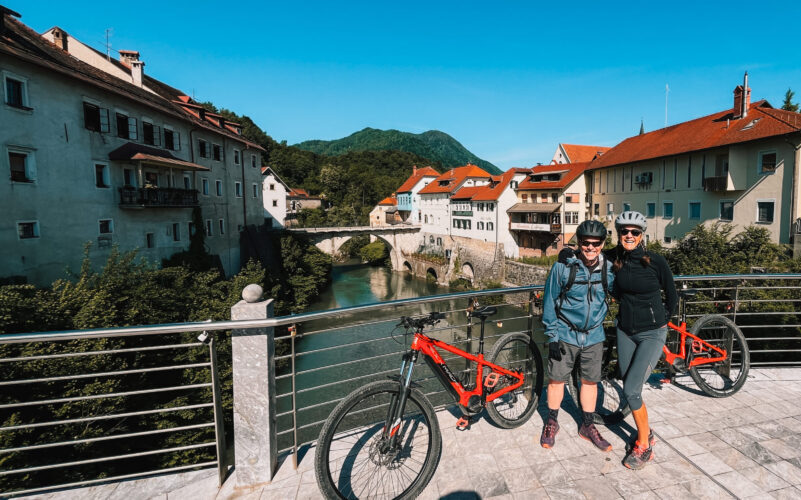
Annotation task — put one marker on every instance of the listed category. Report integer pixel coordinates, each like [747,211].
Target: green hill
[435,145]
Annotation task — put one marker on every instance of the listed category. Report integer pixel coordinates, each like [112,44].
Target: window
[151,179]
[626,207]
[95,118]
[272,187]
[667,210]
[650,209]
[512,184]
[150,240]
[571,198]
[253,161]
[524,197]
[21,165]
[192,229]
[172,139]
[767,162]
[101,175]
[106,226]
[765,211]
[597,209]
[431,239]
[16,92]
[238,189]
[490,226]
[27,230]
[205,183]
[126,127]
[208,227]
[571,218]
[187,182]
[128,177]
[610,208]
[221,225]
[203,148]
[176,231]
[151,134]
[219,188]
[726,210]
[554,197]
[694,211]
[216,152]
[275,203]
[491,207]
[236,157]
[255,190]
[544,197]
[668,239]
[480,225]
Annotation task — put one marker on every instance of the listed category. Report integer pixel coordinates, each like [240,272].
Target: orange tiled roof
[499,183]
[579,154]
[452,179]
[467,192]
[415,177]
[571,172]
[389,200]
[707,132]
[298,193]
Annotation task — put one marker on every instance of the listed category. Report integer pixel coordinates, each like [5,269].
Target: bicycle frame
[697,345]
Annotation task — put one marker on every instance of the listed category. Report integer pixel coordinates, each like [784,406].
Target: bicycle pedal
[665,380]
[462,424]
[491,380]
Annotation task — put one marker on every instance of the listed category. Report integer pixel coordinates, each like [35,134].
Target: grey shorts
[591,358]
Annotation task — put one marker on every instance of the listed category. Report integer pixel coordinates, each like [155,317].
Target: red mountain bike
[714,352]
[383,440]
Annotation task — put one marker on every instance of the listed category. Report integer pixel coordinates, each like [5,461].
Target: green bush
[375,253]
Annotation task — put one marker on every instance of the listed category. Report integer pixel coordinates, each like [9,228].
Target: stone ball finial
[252,293]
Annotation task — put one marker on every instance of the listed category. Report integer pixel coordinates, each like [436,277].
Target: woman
[640,279]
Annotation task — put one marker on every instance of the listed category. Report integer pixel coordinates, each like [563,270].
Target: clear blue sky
[508,79]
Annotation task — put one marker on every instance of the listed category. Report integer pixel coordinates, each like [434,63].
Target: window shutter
[104,121]
[156,135]
[176,140]
[133,131]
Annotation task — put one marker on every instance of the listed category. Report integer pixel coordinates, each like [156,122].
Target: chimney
[414,169]
[742,99]
[130,59]
[60,39]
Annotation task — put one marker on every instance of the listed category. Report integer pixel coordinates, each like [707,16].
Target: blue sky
[509,81]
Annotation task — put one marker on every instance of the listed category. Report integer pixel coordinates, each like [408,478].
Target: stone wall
[485,258]
[519,274]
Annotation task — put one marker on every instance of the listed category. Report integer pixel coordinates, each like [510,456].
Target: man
[574,308]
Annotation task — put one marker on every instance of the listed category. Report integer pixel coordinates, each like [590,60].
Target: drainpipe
[796,167]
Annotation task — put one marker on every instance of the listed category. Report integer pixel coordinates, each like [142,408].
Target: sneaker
[638,457]
[651,441]
[591,434]
[549,433]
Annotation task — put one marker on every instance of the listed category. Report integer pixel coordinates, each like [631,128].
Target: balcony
[716,183]
[131,197]
[463,213]
[529,226]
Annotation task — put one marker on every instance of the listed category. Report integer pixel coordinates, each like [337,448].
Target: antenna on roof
[667,89]
[109,31]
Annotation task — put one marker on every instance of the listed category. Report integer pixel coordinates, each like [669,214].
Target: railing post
[253,352]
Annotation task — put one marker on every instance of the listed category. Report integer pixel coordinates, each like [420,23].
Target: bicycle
[383,440]
[714,352]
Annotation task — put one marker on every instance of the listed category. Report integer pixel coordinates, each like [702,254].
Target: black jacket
[639,290]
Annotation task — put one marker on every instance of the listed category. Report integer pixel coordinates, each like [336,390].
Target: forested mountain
[434,145]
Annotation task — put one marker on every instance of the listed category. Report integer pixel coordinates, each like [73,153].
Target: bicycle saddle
[483,312]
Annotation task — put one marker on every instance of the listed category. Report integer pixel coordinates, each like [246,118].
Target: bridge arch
[407,266]
[467,271]
[431,272]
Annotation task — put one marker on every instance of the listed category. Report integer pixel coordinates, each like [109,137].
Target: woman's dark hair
[645,260]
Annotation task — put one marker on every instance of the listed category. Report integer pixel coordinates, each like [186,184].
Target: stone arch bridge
[400,239]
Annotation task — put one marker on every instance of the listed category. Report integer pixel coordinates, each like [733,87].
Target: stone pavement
[744,446]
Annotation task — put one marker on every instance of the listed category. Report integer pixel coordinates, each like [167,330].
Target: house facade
[408,194]
[385,213]
[110,158]
[737,167]
[274,195]
[435,198]
[551,203]
[576,153]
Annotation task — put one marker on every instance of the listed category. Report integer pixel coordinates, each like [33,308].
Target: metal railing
[158,197]
[320,358]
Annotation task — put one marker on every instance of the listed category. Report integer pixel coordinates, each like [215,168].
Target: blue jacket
[584,304]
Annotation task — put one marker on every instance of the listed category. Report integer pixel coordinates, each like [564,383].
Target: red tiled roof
[762,121]
[415,178]
[467,192]
[499,183]
[572,171]
[579,154]
[389,200]
[453,179]
[131,151]
[298,193]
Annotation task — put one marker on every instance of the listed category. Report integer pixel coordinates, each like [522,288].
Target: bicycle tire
[516,351]
[358,421]
[611,406]
[716,379]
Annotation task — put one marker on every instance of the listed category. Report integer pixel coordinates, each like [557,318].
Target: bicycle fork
[397,406]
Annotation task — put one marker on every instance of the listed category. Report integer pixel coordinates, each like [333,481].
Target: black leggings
[637,355]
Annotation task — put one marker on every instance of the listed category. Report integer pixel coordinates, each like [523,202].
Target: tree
[788,103]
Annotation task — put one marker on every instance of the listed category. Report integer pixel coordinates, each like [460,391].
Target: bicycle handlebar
[421,322]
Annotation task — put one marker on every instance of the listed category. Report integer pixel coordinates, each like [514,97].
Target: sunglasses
[594,244]
[633,232]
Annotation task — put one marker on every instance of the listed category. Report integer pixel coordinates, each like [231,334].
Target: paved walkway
[745,446]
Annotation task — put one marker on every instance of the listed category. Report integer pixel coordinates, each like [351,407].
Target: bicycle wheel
[351,460]
[516,351]
[611,406]
[722,378]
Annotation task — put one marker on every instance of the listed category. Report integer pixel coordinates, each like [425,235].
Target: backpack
[571,280]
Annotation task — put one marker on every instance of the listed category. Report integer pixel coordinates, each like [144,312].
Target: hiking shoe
[638,457]
[591,434]
[651,441]
[549,433]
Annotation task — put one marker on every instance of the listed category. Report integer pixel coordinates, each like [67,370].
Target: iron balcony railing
[320,358]
[716,183]
[157,197]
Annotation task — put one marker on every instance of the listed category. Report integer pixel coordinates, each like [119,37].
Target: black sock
[553,414]
[588,417]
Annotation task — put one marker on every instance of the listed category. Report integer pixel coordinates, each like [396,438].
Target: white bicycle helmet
[631,218]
